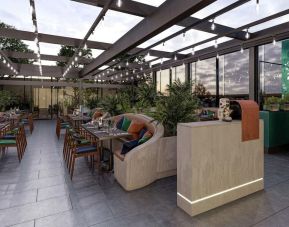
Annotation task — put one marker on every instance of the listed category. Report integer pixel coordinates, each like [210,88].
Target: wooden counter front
[214,166]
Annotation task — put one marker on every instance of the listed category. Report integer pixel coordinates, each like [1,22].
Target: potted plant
[146,96]
[272,104]
[176,107]
[284,103]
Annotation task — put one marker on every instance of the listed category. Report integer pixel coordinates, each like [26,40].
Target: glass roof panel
[151,2]
[114,26]
[212,8]
[239,16]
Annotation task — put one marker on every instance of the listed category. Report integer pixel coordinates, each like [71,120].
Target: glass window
[162,80]
[179,72]
[206,75]
[270,69]
[234,73]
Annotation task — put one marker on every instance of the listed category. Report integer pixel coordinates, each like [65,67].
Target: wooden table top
[103,134]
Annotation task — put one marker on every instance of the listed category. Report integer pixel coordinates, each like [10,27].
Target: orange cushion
[97,114]
[135,127]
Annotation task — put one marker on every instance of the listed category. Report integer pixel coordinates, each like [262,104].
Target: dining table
[105,134]
[77,120]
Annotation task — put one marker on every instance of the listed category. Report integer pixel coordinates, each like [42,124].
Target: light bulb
[217,56]
[257,6]
[242,49]
[274,41]
[216,43]
[213,26]
[163,44]
[162,61]
[80,54]
[247,36]
[193,51]
[85,46]
[127,63]
[76,59]
[119,3]
[175,57]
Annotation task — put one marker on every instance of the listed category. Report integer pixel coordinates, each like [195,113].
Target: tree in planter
[146,95]
[178,106]
[110,104]
[8,99]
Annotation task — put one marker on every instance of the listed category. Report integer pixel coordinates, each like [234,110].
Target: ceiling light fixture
[274,41]
[247,36]
[119,3]
[216,43]
[213,26]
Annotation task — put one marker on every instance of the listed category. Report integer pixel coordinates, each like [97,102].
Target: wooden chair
[17,140]
[60,125]
[28,122]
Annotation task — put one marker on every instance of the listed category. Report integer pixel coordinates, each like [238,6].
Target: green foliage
[8,99]
[91,102]
[68,51]
[124,100]
[111,105]
[272,100]
[285,99]
[9,44]
[179,106]
[146,95]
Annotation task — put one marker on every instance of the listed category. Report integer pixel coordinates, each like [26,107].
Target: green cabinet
[276,129]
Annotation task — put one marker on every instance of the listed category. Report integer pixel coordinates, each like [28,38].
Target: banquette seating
[140,166]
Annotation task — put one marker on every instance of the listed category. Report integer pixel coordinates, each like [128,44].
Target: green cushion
[84,141]
[145,138]
[125,124]
[7,142]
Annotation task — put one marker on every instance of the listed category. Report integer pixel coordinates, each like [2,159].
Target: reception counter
[214,166]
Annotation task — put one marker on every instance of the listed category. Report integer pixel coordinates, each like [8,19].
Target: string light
[119,3]
[257,6]
[175,57]
[193,51]
[213,26]
[247,36]
[184,36]
[163,44]
[216,43]
[274,41]
[242,49]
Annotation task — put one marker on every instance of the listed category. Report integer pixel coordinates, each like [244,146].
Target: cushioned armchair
[139,167]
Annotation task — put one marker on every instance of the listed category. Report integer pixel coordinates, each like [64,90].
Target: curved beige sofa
[139,167]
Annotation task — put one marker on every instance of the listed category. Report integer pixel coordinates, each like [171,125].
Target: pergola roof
[156,21]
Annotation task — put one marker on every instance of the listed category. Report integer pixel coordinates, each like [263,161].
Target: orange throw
[250,119]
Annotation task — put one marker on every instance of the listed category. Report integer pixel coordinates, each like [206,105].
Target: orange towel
[250,119]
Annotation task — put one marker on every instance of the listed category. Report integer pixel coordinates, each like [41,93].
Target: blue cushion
[8,137]
[128,146]
[142,132]
[119,123]
[86,149]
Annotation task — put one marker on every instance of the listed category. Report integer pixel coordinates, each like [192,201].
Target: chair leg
[72,166]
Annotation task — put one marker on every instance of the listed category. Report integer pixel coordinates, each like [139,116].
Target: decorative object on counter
[284,103]
[250,118]
[224,110]
[272,104]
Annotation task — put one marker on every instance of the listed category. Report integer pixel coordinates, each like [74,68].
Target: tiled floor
[38,192]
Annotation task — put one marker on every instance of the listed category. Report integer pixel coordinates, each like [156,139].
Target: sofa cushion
[135,127]
[119,123]
[7,142]
[145,138]
[125,124]
[142,132]
[128,146]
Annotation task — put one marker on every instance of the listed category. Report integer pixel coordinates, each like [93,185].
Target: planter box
[167,157]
